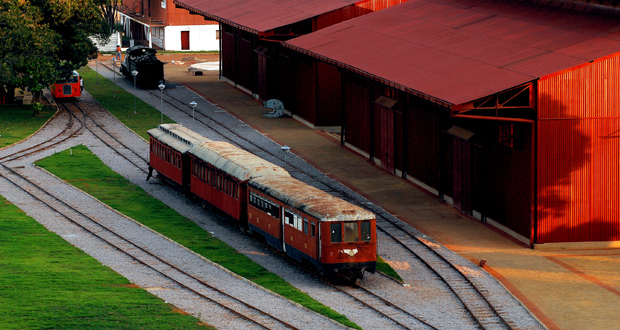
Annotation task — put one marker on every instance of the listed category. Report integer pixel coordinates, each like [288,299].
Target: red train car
[220,172]
[309,225]
[312,226]
[169,144]
[69,87]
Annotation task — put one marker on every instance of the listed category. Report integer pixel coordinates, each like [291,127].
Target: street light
[193,104]
[286,149]
[134,73]
[161,100]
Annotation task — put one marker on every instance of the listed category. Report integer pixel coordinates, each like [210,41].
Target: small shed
[507,110]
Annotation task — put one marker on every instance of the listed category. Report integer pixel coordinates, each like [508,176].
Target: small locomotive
[311,226]
[71,86]
[142,59]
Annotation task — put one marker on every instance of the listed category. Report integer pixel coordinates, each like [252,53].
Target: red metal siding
[328,107]
[421,141]
[357,117]
[305,90]
[578,148]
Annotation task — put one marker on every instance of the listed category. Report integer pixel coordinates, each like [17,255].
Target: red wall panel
[578,148]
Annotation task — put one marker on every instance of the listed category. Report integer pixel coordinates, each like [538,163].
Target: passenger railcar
[169,144]
[220,172]
[69,87]
[312,226]
[142,59]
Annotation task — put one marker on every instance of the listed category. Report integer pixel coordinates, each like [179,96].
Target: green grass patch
[85,171]
[17,122]
[121,103]
[46,283]
[386,269]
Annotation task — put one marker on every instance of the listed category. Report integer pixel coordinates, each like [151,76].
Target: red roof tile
[260,16]
[456,51]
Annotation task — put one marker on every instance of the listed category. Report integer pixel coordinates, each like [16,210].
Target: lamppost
[114,74]
[193,104]
[286,150]
[134,73]
[161,100]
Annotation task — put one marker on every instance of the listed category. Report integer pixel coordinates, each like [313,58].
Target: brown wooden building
[252,58]
[509,111]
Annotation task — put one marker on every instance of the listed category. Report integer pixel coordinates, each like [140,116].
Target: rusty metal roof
[310,200]
[456,51]
[258,16]
[176,136]
[234,161]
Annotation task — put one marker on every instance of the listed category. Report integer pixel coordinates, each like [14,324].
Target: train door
[284,218]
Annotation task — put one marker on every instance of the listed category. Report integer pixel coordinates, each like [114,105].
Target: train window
[305,225]
[312,229]
[366,235]
[288,217]
[351,232]
[336,230]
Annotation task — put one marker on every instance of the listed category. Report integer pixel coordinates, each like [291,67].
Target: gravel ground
[427,296]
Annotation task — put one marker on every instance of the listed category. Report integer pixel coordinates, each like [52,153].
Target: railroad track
[236,308]
[66,133]
[478,304]
[106,137]
[141,255]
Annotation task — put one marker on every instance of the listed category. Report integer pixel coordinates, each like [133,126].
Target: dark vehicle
[311,226]
[142,59]
[69,87]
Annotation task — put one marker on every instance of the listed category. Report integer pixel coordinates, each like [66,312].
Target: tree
[46,39]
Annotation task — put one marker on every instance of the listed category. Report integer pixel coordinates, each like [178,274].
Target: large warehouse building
[508,110]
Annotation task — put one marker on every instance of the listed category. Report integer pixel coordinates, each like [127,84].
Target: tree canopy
[46,39]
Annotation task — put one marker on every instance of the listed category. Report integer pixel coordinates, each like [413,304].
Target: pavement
[565,288]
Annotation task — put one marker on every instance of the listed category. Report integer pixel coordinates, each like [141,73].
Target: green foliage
[46,283]
[45,39]
[85,171]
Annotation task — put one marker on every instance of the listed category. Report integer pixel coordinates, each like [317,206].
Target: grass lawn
[122,105]
[46,283]
[17,122]
[84,170]
[386,269]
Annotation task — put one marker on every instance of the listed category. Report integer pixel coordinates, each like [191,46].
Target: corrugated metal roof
[310,200]
[456,51]
[259,16]
[176,136]
[234,161]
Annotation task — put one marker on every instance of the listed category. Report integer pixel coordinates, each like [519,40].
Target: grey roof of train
[237,162]
[310,200]
[176,136]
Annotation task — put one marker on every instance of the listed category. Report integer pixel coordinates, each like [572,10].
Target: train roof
[310,200]
[237,162]
[140,50]
[176,136]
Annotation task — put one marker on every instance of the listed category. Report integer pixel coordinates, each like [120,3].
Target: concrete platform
[566,288]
